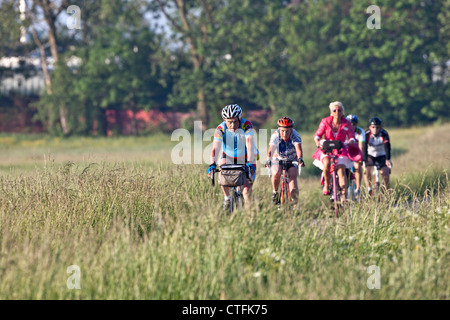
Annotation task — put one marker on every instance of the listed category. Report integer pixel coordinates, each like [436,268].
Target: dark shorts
[379,162]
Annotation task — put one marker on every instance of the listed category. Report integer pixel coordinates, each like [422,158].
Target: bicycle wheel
[335,194]
[376,184]
[351,190]
[286,197]
[239,200]
[232,199]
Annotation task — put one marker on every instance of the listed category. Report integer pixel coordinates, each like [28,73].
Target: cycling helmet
[352,118]
[285,122]
[376,121]
[231,111]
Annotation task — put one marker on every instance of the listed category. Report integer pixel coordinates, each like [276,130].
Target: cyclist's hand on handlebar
[251,167]
[389,164]
[210,169]
[268,163]
[319,143]
[251,171]
[301,162]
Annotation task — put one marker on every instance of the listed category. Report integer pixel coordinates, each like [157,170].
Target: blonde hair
[336,103]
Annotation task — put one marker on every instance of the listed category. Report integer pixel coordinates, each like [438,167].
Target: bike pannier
[232,175]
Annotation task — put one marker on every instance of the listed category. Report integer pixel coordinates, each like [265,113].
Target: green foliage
[122,67]
[372,71]
[293,59]
[9,26]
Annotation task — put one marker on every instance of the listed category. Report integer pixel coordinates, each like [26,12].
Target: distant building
[23,75]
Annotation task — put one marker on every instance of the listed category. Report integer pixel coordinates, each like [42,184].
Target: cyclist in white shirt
[377,152]
[285,144]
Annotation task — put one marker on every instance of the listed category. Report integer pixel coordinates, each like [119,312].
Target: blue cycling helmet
[352,118]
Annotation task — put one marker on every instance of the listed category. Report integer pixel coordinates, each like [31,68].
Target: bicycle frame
[285,195]
[351,185]
[332,150]
[376,180]
[236,197]
[237,200]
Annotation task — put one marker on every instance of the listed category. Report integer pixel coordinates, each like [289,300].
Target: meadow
[137,226]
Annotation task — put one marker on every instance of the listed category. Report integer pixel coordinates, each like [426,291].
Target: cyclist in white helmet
[235,135]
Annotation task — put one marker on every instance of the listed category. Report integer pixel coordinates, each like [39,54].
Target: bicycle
[236,197]
[284,198]
[351,189]
[332,148]
[376,176]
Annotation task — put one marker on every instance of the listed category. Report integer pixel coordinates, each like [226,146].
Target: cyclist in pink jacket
[334,127]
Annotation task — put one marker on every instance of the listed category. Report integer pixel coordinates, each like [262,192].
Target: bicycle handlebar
[284,164]
[247,170]
[212,176]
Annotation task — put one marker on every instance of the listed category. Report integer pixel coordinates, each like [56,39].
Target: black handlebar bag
[330,145]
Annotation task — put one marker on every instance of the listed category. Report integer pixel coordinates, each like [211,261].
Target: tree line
[293,57]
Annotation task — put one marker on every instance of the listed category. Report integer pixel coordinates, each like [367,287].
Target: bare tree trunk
[197,59]
[201,108]
[50,18]
[44,65]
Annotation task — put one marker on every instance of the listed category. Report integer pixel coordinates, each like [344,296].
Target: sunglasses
[378,127]
[338,110]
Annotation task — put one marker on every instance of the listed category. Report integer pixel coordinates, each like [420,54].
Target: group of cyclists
[362,150]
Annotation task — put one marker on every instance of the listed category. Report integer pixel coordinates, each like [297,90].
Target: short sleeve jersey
[360,135]
[378,145]
[233,143]
[285,149]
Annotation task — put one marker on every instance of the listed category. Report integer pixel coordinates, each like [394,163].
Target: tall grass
[154,230]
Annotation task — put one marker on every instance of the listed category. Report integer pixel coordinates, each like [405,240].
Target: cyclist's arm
[215,151]
[361,146]
[250,142]
[271,151]
[320,132]
[362,139]
[364,150]
[350,133]
[299,150]
[387,147]
[317,141]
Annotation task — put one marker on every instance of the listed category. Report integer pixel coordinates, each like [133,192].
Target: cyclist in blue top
[235,136]
[285,144]
[360,137]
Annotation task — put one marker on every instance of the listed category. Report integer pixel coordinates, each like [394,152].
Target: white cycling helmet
[231,111]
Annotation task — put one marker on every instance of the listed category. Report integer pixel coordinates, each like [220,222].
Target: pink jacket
[344,133]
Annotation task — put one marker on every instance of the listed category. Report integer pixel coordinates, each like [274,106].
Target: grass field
[137,226]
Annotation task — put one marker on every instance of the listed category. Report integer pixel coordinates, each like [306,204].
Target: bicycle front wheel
[351,191]
[335,194]
[239,200]
[285,196]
